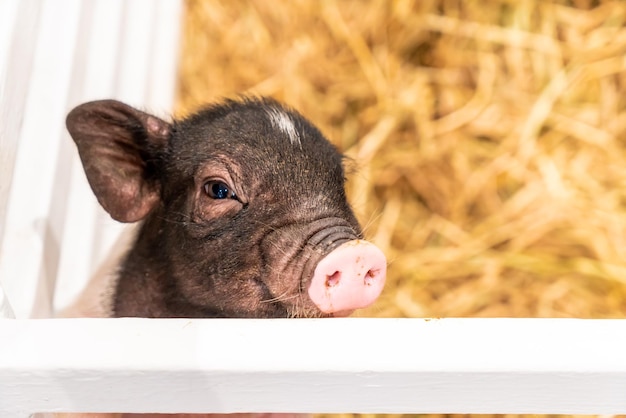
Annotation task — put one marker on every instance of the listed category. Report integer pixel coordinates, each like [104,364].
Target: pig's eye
[218,190]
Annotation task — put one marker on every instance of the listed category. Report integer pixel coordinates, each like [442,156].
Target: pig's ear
[119,147]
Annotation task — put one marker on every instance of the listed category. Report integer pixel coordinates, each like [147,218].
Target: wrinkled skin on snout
[243,212]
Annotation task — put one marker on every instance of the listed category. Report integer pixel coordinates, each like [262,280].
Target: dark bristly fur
[247,255]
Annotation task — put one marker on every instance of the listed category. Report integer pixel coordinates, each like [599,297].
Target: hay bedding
[487,138]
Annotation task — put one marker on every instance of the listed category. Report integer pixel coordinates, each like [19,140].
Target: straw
[487,138]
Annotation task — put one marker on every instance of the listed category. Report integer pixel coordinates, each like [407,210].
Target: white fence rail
[56,54]
[337,365]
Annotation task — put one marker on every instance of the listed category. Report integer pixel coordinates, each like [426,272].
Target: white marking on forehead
[282,121]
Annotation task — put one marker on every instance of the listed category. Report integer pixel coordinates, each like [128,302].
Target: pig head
[243,211]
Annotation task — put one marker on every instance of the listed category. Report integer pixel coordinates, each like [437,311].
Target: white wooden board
[332,365]
[55,55]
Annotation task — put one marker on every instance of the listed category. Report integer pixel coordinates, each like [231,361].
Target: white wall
[53,56]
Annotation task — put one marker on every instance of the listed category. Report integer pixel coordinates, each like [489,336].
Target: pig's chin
[342,314]
[316,313]
[305,309]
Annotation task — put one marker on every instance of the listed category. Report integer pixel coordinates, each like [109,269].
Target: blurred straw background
[487,138]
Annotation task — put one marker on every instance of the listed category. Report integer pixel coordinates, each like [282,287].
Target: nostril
[333,279]
[370,277]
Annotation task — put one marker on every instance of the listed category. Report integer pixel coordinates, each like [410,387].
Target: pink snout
[350,277]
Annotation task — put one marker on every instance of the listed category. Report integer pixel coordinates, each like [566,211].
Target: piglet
[243,210]
[243,214]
